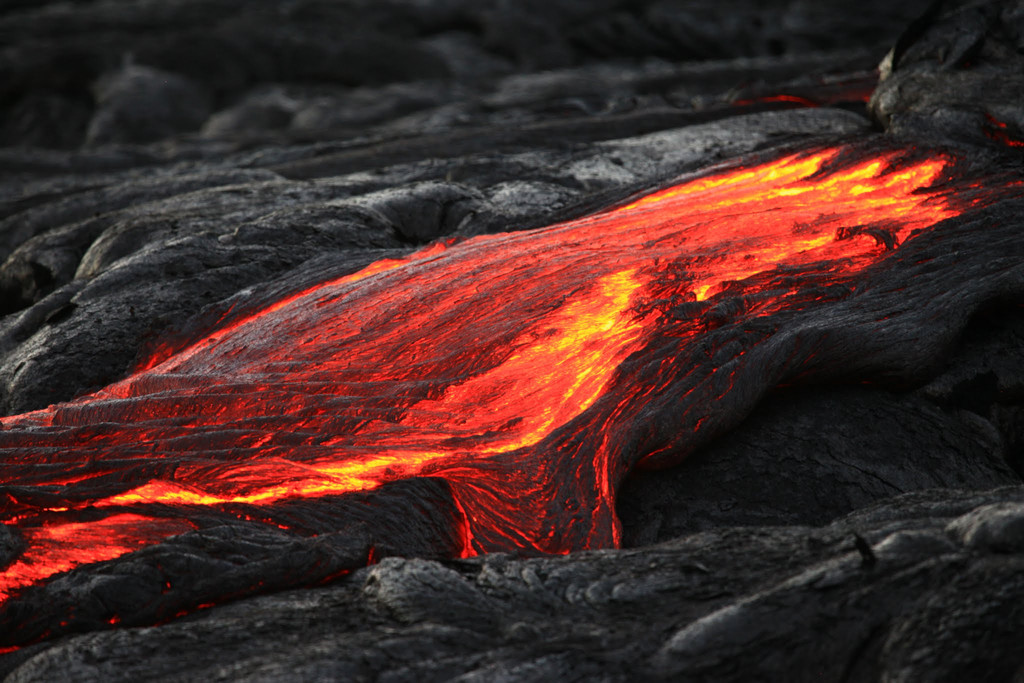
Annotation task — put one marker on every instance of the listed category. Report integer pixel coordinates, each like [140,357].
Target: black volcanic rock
[958,74]
[141,104]
[167,162]
[809,456]
[897,591]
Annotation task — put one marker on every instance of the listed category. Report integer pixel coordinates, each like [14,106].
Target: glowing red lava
[790,99]
[495,363]
[998,130]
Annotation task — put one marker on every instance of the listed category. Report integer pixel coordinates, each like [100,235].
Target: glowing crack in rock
[498,363]
[56,548]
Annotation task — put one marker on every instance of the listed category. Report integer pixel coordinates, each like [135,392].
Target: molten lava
[506,364]
[998,130]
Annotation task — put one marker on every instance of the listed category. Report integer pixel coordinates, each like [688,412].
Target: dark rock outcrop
[957,73]
[925,586]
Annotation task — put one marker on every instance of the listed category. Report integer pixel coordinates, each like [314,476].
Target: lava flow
[519,367]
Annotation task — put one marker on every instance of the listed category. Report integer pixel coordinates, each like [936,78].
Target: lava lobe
[530,371]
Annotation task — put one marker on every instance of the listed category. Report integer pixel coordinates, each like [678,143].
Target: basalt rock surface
[166,162]
[925,586]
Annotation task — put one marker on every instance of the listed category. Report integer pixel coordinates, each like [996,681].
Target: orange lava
[493,363]
[997,130]
[56,548]
[791,99]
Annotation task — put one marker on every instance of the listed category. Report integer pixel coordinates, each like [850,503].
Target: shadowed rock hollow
[844,432]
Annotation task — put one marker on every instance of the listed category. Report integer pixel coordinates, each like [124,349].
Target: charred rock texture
[899,591]
[957,72]
[810,455]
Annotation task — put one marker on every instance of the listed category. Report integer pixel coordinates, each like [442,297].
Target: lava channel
[518,367]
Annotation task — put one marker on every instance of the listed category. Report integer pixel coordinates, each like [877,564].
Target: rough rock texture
[806,457]
[957,73]
[925,586]
[165,161]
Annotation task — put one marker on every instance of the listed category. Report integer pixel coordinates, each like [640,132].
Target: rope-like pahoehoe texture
[471,364]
